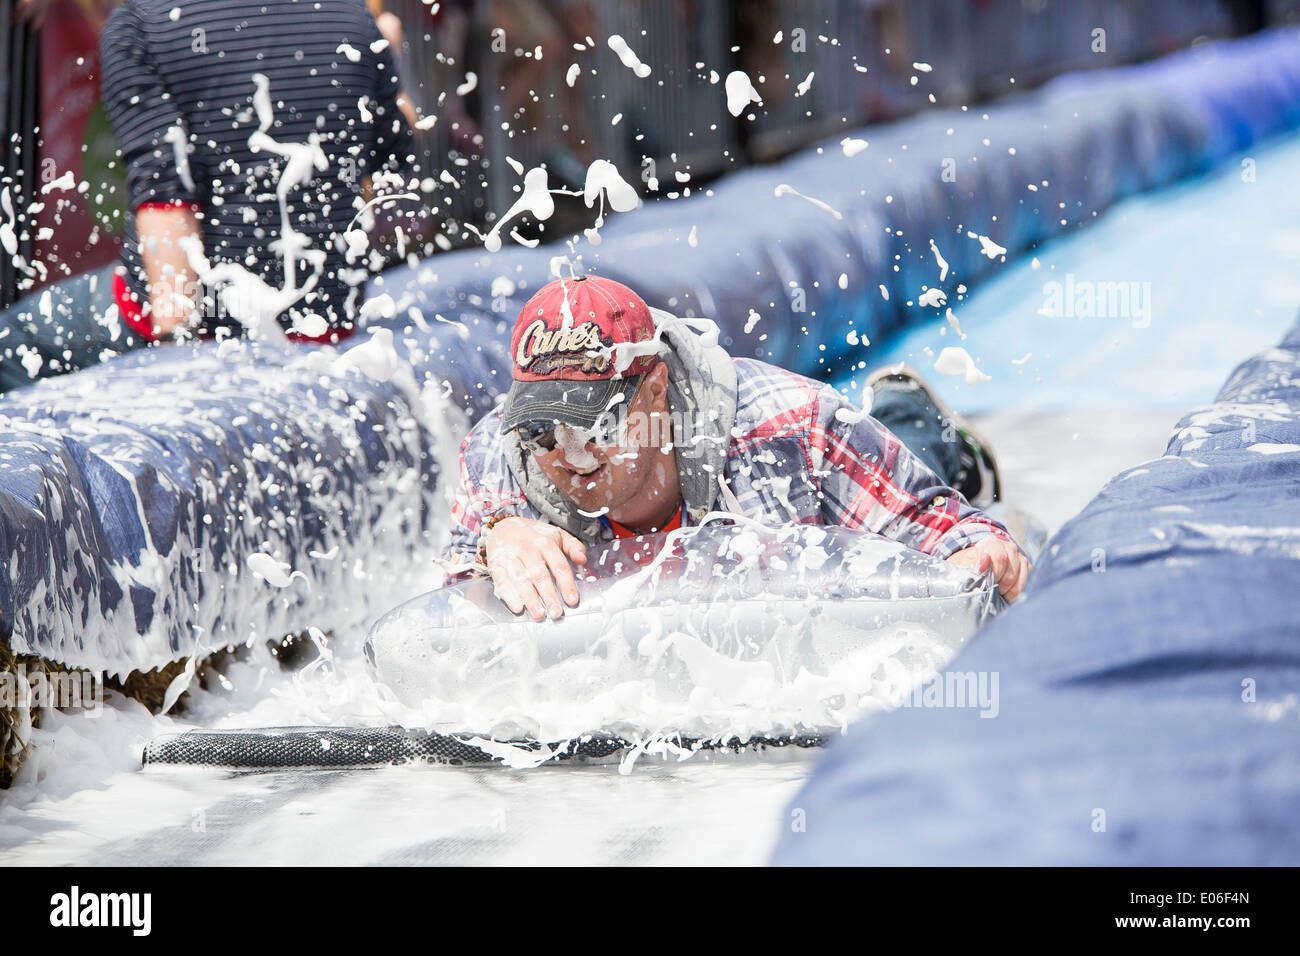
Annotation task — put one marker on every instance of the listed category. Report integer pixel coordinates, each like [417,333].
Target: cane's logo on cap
[543,351]
[579,330]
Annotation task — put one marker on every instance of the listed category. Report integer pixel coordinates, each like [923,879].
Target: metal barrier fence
[19,109]
[432,66]
[859,55]
[862,54]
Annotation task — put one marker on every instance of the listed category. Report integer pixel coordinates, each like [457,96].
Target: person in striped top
[253,128]
[623,420]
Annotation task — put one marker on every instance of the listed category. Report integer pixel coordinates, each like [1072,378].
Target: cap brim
[579,404]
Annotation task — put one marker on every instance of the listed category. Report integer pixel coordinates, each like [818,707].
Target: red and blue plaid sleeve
[870,480]
[486,488]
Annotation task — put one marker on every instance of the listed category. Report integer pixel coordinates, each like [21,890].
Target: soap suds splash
[181,150]
[627,57]
[785,190]
[603,183]
[648,668]
[740,92]
[245,296]
[956,361]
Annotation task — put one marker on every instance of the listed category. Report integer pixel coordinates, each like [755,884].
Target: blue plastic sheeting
[1147,701]
[135,496]
[134,493]
[1182,257]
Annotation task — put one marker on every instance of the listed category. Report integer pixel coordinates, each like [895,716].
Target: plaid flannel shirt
[799,452]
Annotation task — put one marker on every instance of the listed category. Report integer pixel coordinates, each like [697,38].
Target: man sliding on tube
[624,420]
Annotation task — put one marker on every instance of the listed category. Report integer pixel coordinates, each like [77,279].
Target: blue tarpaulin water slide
[1147,689]
[135,497]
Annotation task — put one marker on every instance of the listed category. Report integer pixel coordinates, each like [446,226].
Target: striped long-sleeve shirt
[178,86]
[799,452]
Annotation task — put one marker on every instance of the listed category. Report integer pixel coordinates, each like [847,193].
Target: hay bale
[16,722]
[149,687]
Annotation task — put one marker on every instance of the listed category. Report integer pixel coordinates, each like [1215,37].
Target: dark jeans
[80,327]
[910,416]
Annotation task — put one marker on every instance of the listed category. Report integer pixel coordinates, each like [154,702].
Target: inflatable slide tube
[1147,684]
[136,496]
[1084,142]
[780,631]
[132,495]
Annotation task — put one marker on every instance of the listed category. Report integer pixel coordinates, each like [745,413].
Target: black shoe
[977,476]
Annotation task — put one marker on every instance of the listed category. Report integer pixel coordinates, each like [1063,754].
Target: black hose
[320,748]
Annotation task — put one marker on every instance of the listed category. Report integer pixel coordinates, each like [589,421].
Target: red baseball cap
[569,353]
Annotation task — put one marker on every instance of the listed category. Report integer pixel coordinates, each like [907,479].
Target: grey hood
[702,397]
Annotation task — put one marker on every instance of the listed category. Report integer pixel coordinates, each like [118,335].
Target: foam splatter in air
[955,360]
[852,146]
[740,92]
[64,183]
[375,358]
[278,574]
[627,57]
[535,199]
[988,247]
[604,182]
[181,150]
[786,190]
[940,260]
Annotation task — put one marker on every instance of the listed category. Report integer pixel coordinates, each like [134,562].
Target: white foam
[535,199]
[786,190]
[955,360]
[65,182]
[376,357]
[627,57]
[932,298]
[852,146]
[988,247]
[940,261]
[740,92]
[275,573]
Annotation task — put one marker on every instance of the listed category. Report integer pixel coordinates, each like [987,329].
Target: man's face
[600,478]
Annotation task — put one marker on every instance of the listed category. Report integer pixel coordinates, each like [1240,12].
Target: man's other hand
[1010,568]
[529,564]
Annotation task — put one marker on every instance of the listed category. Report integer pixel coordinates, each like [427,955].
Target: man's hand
[1009,566]
[529,564]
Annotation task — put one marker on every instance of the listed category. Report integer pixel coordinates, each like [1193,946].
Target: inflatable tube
[271,749]
[1148,683]
[707,631]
